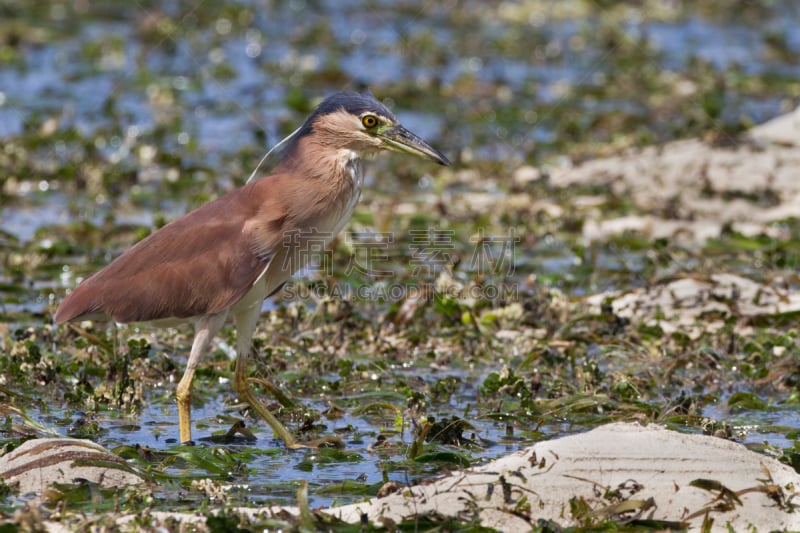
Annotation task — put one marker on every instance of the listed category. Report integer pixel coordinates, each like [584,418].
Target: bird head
[361,123]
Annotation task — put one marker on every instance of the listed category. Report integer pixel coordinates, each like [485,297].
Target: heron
[223,259]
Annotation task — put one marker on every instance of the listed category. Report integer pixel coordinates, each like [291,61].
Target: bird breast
[350,167]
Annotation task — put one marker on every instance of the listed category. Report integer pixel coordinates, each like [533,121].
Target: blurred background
[127,102]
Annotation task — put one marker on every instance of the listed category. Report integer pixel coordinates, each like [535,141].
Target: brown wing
[201,263]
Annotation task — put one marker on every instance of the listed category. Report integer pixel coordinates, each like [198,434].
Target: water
[268,464]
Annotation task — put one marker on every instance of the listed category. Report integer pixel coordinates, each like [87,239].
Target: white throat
[350,163]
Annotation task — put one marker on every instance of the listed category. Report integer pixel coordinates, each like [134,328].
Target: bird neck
[321,162]
[314,195]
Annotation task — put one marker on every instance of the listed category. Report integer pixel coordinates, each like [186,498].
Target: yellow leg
[205,330]
[245,325]
[185,408]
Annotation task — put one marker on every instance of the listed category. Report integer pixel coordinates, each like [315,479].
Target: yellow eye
[369,121]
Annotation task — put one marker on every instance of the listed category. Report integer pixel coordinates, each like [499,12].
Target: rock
[615,471]
[525,175]
[688,302]
[751,181]
[739,171]
[39,463]
[689,232]
[622,472]
[783,130]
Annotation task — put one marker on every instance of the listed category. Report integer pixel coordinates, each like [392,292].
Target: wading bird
[224,258]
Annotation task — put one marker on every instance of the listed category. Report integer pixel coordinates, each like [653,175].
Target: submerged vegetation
[463,314]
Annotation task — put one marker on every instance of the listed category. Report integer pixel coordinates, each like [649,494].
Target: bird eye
[369,121]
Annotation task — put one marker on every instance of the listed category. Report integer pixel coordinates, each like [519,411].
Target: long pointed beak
[399,139]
